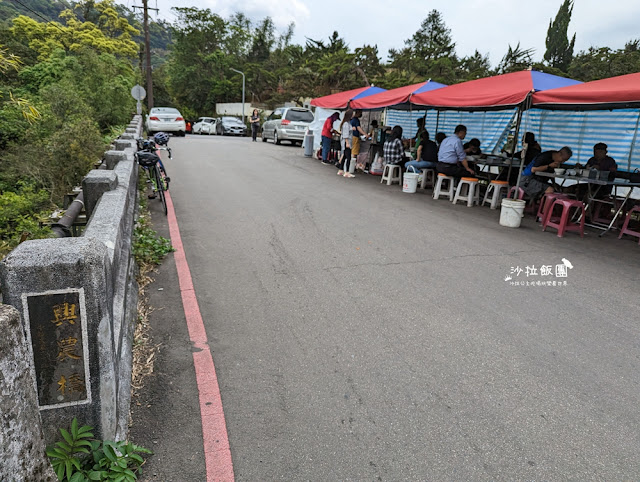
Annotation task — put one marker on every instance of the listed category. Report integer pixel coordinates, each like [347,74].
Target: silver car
[166,119]
[231,126]
[287,124]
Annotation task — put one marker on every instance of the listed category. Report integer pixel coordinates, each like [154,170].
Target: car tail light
[153,118]
[286,122]
[179,118]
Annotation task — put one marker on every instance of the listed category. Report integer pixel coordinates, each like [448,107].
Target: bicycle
[151,164]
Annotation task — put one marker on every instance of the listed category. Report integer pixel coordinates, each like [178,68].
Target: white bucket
[410,182]
[512,212]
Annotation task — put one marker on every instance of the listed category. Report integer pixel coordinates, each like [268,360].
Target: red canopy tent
[395,98]
[341,99]
[499,92]
[614,93]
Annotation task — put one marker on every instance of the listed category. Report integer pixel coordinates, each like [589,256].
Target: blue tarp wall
[581,130]
[553,129]
[490,127]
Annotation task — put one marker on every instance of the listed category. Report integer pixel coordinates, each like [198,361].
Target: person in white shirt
[345,141]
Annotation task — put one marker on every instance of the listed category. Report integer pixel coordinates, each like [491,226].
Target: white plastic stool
[439,191]
[428,177]
[471,194]
[498,190]
[391,174]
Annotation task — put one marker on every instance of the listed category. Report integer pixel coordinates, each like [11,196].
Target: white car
[205,125]
[165,119]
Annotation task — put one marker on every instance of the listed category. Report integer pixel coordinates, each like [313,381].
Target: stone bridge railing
[77,302]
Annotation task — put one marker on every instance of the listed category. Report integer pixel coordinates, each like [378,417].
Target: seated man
[452,160]
[472,148]
[601,162]
[535,186]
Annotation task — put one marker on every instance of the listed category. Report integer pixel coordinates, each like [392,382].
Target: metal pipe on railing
[62,228]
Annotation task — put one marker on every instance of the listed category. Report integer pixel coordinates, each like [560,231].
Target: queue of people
[351,133]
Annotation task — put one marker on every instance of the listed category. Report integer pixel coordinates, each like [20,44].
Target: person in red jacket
[327,134]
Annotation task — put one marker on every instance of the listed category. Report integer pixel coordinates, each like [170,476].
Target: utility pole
[241,73]
[147,50]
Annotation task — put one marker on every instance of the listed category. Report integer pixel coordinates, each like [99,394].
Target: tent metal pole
[517,134]
[633,143]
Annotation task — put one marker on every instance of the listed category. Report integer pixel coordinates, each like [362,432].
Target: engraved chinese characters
[57,334]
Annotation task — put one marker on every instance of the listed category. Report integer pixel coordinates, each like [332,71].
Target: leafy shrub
[56,161]
[79,457]
[21,211]
[148,247]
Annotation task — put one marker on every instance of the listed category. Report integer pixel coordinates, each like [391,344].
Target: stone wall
[78,301]
[22,446]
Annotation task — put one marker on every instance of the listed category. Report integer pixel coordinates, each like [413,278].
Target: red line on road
[214,429]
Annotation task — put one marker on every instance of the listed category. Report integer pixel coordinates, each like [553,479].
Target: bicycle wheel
[160,188]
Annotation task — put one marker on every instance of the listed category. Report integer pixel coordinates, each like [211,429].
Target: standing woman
[255,124]
[345,140]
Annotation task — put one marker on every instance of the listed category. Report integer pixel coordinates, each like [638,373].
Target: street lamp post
[241,73]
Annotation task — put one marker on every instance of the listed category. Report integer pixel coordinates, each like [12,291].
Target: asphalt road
[361,333]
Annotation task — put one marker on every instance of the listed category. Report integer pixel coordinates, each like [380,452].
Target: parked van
[287,124]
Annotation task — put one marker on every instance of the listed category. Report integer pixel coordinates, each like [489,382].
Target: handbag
[634,176]
[527,170]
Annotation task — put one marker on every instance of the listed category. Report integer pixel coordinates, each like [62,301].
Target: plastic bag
[378,166]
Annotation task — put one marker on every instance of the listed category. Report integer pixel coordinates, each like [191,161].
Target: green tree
[111,34]
[602,62]
[474,66]
[197,71]
[429,53]
[515,59]
[433,40]
[559,49]
[367,63]
[103,82]
[264,39]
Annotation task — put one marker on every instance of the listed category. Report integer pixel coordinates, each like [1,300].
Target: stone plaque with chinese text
[57,333]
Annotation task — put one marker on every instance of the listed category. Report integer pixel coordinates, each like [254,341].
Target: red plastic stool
[520,193]
[546,202]
[564,224]
[625,227]
[598,216]
[530,207]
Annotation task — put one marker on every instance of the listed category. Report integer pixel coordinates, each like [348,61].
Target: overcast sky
[486,25]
